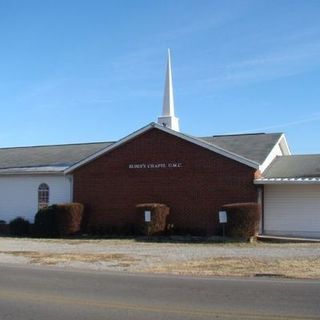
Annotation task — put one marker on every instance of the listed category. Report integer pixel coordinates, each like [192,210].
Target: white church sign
[147,216]
[223,216]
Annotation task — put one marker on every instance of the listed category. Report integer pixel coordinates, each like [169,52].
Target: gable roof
[197,141]
[255,147]
[293,168]
[46,158]
[249,149]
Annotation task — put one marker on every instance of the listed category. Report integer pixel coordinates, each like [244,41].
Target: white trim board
[260,181]
[281,148]
[33,170]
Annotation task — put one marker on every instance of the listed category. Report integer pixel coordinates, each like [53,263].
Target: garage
[292,210]
[292,196]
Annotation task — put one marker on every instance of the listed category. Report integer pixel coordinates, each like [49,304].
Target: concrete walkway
[263,237]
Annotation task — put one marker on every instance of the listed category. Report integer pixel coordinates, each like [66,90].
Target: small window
[43,196]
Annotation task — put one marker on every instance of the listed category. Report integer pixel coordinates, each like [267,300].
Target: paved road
[31,293]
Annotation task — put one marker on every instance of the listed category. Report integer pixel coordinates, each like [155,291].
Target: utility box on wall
[152,218]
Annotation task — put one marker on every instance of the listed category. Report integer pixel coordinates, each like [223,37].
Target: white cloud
[315,117]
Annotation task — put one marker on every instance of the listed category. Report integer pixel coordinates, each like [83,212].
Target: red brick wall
[110,190]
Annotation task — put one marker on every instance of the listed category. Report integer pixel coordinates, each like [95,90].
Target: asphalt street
[32,293]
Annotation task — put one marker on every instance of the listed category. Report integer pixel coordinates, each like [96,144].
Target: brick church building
[158,164]
[194,176]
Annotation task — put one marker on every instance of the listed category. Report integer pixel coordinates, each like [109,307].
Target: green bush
[58,220]
[243,219]
[45,222]
[19,227]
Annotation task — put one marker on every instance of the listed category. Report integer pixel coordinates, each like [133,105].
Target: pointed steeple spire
[168,118]
[168,99]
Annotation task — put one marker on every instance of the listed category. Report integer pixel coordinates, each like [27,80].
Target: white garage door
[292,210]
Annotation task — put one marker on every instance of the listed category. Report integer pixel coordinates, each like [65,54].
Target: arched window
[43,195]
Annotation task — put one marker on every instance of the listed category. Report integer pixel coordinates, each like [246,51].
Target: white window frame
[43,195]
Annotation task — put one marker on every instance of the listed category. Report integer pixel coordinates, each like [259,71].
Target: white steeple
[168,118]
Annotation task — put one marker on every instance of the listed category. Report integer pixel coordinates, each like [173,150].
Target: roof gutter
[33,171]
[286,181]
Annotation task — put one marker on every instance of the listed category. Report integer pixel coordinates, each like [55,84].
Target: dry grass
[294,260]
[76,242]
[223,266]
[122,260]
[218,266]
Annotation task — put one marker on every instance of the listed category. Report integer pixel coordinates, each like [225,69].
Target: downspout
[260,202]
[70,178]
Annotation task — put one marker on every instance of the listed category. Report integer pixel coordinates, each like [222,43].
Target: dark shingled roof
[40,156]
[298,166]
[254,147]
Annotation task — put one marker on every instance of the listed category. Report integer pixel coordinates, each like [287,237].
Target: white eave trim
[152,125]
[314,180]
[33,170]
[283,145]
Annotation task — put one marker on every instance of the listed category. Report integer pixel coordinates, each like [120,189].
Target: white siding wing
[19,194]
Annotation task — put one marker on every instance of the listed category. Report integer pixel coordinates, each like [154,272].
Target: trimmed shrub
[243,219]
[58,220]
[4,228]
[158,223]
[45,222]
[19,227]
[69,218]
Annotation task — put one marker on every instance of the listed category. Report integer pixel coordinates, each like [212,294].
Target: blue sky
[82,71]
